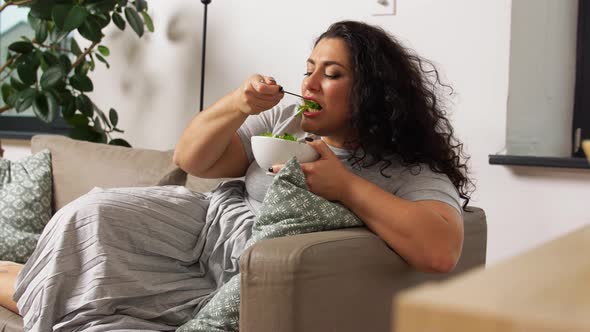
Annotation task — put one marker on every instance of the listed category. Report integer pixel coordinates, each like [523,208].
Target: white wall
[15,149]
[155,85]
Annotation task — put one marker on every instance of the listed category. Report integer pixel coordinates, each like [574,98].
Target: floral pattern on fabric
[25,204]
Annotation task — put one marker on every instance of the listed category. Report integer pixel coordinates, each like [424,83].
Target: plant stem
[5,108]
[14,3]
[83,55]
[9,62]
[55,46]
[8,75]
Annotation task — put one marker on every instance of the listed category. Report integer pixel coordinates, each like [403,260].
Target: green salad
[307,105]
[285,136]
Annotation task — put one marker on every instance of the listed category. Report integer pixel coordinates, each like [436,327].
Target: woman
[149,258]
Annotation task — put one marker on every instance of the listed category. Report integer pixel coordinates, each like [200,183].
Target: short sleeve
[267,121]
[428,185]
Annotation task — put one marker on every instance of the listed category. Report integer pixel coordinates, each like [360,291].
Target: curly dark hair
[396,108]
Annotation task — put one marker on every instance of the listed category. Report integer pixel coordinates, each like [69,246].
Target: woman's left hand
[327,176]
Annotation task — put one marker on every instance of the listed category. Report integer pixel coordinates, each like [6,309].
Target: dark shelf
[559,162]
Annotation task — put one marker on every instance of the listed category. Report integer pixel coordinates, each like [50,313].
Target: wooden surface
[545,289]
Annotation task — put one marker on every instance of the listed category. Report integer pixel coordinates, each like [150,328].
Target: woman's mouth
[310,107]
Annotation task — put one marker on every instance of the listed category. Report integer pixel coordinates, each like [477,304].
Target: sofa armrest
[340,280]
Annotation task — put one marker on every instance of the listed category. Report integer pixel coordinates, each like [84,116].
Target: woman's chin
[309,127]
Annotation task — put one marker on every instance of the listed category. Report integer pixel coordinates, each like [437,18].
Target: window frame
[25,127]
[581,115]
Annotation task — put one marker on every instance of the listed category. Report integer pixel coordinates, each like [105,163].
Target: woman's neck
[338,142]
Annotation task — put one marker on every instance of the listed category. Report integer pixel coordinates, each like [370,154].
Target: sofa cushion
[79,166]
[25,204]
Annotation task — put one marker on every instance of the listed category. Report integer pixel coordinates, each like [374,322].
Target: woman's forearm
[427,239]
[208,135]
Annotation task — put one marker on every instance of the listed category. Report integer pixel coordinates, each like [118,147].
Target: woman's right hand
[257,94]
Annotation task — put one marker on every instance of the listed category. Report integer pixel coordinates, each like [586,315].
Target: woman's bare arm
[210,146]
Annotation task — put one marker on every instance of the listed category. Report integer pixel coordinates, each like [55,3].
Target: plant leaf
[120,142]
[75,48]
[7,90]
[41,9]
[50,58]
[76,17]
[81,82]
[141,5]
[25,99]
[65,63]
[59,15]
[134,20]
[84,133]
[97,125]
[68,110]
[102,20]
[119,21]
[18,85]
[148,21]
[45,107]
[103,60]
[114,117]
[77,120]
[104,50]
[103,117]
[41,32]
[91,30]
[52,76]
[39,26]
[84,104]
[22,47]
[82,67]
[26,74]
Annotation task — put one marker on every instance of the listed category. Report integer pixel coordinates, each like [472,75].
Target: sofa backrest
[79,166]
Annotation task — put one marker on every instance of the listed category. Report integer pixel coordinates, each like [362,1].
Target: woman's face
[328,82]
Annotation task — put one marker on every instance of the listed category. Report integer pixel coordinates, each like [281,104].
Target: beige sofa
[342,280]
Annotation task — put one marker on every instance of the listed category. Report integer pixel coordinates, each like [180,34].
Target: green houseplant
[49,72]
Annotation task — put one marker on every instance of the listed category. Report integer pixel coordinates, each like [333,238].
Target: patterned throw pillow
[289,208]
[25,204]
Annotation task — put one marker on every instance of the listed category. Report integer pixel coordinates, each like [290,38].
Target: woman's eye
[329,76]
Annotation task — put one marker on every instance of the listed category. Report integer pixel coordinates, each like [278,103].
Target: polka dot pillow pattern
[25,204]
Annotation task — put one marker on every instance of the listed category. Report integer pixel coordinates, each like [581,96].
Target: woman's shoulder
[393,174]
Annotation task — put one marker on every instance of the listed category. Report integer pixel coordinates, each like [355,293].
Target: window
[581,119]
[549,85]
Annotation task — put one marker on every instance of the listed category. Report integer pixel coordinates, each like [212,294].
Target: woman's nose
[311,82]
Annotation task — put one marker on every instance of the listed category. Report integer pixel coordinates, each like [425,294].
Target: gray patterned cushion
[288,209]
[25,204]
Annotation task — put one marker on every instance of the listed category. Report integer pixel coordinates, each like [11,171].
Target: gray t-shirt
[403,182]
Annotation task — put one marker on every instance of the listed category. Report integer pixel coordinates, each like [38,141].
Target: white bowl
[270,151]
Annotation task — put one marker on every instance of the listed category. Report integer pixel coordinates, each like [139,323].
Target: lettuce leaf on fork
[307,105]
[285,136]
